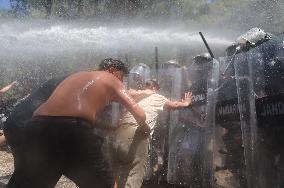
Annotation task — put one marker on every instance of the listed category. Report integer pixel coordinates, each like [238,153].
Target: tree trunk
[48,6]
[80,7]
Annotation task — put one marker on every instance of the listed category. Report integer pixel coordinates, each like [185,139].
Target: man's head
[114,66]
[152,84]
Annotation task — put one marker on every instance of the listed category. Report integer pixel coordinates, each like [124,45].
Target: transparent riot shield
[228,160]
[170,79]
[190,131]
[209,120]
[260,83]
[246,99]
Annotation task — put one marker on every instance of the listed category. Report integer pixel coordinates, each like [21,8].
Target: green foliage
[245,14]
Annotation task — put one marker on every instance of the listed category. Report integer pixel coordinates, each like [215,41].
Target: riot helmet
[170,64]
[252,38]
[138,76]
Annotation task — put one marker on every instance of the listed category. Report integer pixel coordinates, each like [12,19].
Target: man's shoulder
[154,98]
[107,78]
[157,95]
[98,75]
[103,74]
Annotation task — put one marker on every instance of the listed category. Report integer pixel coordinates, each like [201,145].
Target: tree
[19,7]
[47,5]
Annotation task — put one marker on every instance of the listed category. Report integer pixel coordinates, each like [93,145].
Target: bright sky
[5,4]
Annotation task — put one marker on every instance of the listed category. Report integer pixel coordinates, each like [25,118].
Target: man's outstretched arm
[122,96]
[6,88]
[185,102]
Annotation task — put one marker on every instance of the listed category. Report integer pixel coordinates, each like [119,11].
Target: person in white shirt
[129,144]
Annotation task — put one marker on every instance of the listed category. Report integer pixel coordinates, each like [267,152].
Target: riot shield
[246,97]
[190,132]
[260,81]
[209,120]
[170,79]
[228,159]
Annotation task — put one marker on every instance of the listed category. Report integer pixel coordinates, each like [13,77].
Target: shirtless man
[60,140]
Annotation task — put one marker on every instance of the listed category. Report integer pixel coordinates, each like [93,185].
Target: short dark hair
[115,63]
[152,83]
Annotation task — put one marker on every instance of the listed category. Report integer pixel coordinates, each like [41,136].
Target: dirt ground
[7,167]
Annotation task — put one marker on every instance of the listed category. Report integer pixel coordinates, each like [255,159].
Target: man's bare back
[83,94]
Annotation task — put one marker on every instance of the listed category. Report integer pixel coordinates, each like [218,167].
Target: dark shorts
[55,146]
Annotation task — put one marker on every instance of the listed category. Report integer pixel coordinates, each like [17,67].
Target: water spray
[231,61]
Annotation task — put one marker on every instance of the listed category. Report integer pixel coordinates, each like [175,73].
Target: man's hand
[185,102]
[14,83]
[146,129]
[187,98]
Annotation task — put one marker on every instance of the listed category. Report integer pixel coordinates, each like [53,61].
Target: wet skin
[8,87]
[84,94]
